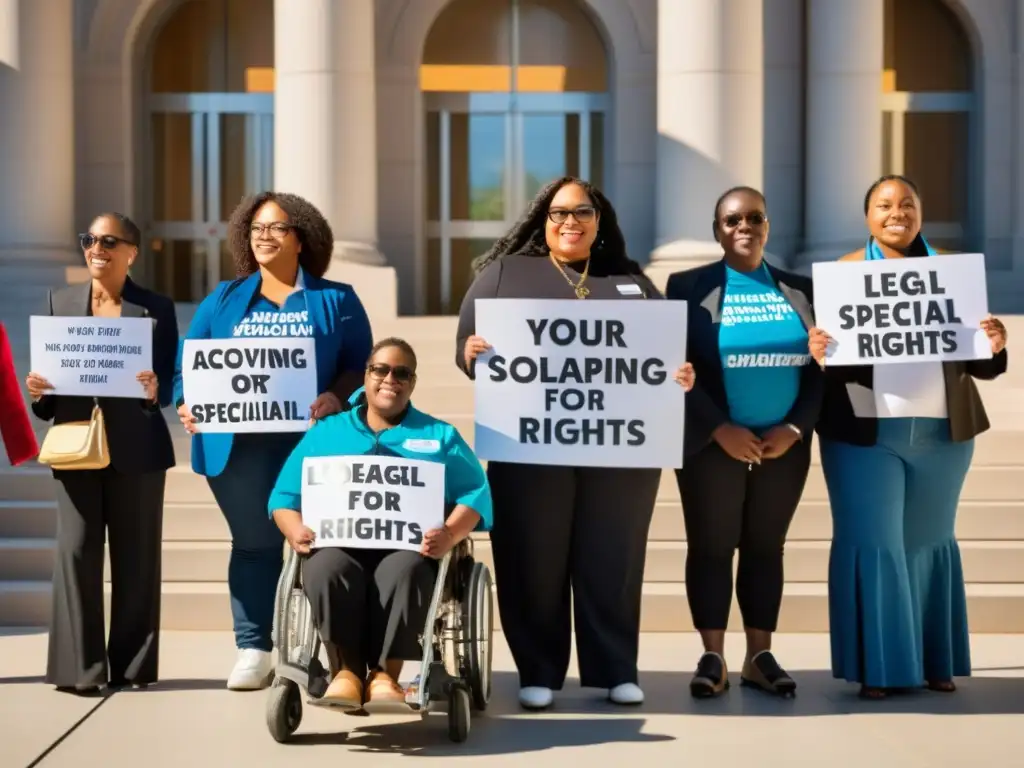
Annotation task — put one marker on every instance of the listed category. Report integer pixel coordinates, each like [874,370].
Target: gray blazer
[137,434]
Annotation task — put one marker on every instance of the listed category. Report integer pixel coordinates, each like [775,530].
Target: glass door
[207,151]
[487,156]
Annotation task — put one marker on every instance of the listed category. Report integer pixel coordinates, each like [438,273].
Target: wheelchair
[456,643]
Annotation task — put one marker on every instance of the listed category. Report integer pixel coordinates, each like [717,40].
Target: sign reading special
[580,383]
[249,385]
[903,310]
[371,502]
[92,356]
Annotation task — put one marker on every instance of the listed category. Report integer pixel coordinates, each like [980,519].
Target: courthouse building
[422,127]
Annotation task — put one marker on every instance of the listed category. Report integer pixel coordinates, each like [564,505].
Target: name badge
[422,446]
[629,289]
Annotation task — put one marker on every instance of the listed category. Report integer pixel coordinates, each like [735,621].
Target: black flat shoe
[79,690]
[711,678]
[764,673]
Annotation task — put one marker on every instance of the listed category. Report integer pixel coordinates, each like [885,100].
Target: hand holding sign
[996,332]
[817,343]
[149,383]
[188,421]
[685,376]
[475,346]
[37,385]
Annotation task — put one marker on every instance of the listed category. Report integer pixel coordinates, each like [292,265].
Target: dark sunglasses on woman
[107,242]
[401,373]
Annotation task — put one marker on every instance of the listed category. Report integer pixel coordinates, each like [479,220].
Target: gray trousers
[94,506]
[581,530]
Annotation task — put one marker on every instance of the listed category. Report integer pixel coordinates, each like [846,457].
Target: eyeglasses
[401,373]
[277,229]
[754,219]
[107,242]
[583,214]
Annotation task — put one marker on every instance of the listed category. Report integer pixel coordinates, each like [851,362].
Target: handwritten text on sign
[371,502]
[92,356]
[903,310]
[249,385]
[580,383]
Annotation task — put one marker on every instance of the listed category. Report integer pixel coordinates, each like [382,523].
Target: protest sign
[903,310]
[580,383]
[371,502]
[249,385]
[92,356]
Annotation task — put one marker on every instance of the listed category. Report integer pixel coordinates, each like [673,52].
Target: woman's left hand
[685,376]
[996,332]
[437,542]
[326,405]
[149,383]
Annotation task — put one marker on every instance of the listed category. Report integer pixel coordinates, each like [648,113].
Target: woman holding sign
[559,529]
[282,247]
[370,603]
[749,427]
[896,444]
[124,502]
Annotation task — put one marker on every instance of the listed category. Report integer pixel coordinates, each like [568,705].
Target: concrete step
[199,606]
[985,562]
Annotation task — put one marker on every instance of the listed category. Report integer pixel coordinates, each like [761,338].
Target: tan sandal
[383,694]
[345,691]
[764,673]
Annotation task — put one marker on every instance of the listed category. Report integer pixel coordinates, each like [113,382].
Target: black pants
[728,506]
[93,505]
[370,603]
[558,529]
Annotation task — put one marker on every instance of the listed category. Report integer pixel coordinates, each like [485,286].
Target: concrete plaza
[189,719]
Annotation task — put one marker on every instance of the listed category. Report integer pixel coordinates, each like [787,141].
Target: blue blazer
[342,339]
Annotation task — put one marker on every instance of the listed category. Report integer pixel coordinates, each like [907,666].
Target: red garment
[15,425]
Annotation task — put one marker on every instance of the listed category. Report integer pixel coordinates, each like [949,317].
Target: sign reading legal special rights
[92,356]
[580,383]
[371,502]
[249,385]
[903,310]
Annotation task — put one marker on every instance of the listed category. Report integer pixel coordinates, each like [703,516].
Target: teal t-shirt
[763,344]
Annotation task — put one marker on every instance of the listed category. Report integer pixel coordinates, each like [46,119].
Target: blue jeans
[242,491]
[897,603]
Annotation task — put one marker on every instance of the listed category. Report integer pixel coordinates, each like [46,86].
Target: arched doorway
[208,135]
[930,117]
[516,94]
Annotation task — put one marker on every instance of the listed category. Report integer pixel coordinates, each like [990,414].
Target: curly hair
[309,225]
[527,235]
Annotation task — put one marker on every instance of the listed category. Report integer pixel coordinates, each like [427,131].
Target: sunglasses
[401,373]
[107,242]
[754,219]
[583,214]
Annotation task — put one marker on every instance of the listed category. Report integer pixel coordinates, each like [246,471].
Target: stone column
[325,133]
[9,33]
[844,123]
[37,140]
[710,121]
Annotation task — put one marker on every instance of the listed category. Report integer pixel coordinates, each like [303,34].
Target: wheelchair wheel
[478,629]
[284,709]
[458,715]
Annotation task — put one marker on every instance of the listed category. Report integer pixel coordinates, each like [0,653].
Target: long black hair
[608,253]
[917,246]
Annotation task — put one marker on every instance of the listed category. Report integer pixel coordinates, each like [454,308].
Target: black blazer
[967,417]
[137,434]
[707,407]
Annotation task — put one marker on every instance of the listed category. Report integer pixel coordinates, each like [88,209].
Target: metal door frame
[206,229]
[899,104]
[514,107]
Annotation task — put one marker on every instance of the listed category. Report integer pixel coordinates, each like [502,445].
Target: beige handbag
[77,444]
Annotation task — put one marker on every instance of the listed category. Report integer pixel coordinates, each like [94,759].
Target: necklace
[578,287]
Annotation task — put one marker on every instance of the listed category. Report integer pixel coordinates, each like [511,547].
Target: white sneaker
[533,697]
[253,670]
[626,693]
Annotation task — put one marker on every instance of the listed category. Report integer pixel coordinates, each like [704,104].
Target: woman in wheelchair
[370,605]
